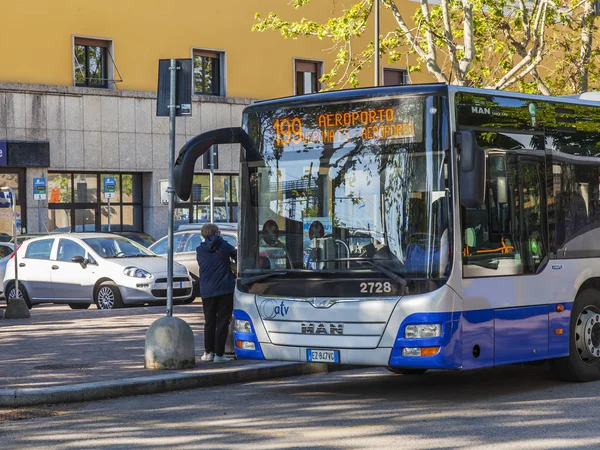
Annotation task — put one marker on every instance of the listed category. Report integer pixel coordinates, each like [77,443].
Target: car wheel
[79,305]
[22,293]
[583,362]
[108,296]
[190,300]
[402,371]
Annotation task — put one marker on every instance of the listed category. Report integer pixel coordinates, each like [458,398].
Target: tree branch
[469,56]
[432,65]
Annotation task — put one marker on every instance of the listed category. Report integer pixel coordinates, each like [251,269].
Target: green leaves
[531,46]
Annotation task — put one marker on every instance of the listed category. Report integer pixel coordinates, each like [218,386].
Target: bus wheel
[401,371]
[583,362]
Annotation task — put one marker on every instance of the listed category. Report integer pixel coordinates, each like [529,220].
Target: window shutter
[206,53]
[306,66]
[393,77]
[92,42]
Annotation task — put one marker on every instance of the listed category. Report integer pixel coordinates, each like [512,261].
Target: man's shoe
[222,359]
[208,356]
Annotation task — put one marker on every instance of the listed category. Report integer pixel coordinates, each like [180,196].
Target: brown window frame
[396,71]
[303,66]
[217,71]
[105,46]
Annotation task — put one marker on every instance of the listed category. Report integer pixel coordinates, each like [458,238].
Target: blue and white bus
[419,227]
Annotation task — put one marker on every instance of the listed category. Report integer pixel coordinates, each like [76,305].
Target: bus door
[504,250]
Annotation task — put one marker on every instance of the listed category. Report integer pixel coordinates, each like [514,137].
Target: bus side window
[505,235]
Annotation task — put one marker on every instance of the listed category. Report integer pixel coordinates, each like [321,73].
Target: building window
[207,72]
[77,202]
[197,209]
[91,62]
[395,77]
[307,76]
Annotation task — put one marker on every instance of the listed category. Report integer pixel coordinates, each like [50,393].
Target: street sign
[39,189]
[5,199]
[110,187]
[183,95]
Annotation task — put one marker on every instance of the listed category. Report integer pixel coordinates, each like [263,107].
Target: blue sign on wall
[3,158]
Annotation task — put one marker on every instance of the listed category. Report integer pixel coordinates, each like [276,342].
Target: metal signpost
[175,98]
[109,192]
[170,340]
[212,185]
[39,194]
[225,186]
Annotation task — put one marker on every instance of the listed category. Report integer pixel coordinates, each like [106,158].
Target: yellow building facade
[78,85]
[257,65]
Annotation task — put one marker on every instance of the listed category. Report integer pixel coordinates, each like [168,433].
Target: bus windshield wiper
[261,276]
[373,263]
[386,271]
[251,280]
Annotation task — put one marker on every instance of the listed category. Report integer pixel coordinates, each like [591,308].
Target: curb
[102,390]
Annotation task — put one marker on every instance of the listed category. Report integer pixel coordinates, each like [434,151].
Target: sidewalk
[61,355]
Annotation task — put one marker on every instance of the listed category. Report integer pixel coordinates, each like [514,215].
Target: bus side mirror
[472,170]
[183,170]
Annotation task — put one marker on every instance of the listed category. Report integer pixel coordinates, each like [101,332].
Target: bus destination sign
[342,126]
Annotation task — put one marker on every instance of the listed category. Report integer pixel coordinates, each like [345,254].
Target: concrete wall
[101,130]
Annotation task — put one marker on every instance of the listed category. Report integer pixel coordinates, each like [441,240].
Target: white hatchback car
[84,268]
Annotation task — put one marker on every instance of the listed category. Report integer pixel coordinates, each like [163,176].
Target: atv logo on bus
[270,309]
[322,328]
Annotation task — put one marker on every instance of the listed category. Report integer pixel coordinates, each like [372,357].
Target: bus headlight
[423,331]
[418,351]
[245,345]
[243,326]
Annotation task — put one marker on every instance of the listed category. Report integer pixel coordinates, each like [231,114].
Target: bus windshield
[350,188]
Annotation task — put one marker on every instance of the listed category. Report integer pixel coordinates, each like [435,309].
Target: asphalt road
[516,407]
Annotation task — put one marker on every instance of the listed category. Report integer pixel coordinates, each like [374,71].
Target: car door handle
[54,267]
[22,264]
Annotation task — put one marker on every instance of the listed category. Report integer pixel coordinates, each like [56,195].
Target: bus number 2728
[376,288]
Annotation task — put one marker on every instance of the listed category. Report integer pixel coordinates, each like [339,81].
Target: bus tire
[403,371]
[583,362]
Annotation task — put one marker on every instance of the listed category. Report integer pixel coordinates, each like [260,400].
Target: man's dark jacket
[215,276]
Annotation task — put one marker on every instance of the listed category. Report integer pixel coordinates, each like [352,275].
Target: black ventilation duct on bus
[183,171]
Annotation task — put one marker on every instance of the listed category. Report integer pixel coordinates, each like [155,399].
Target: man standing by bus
[217,284]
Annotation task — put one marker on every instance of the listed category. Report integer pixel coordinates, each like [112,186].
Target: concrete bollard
[17,309]
[170,345]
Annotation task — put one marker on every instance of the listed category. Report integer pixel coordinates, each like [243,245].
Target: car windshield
[117,247]
[142,239]
[354,187]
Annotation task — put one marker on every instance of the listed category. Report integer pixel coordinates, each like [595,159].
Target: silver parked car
[84,268]
[185,243]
